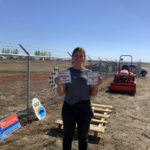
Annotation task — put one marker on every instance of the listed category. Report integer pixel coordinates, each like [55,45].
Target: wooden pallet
[98,122]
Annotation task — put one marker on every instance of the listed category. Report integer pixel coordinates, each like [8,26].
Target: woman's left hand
[100,80]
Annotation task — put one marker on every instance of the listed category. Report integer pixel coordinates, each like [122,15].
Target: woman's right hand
[57,80]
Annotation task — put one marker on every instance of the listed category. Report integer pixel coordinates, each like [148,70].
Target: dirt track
[128,127]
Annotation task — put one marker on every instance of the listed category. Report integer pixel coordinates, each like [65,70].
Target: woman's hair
[81,50]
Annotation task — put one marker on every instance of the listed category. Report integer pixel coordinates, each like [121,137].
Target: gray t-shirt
[78,90]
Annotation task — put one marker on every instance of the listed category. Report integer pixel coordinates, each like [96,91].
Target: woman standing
[77,105]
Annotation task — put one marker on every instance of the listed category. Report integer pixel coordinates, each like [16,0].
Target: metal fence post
[139,67]
[106,68]
[70,56]
[28,81]
[28,86]
[99,66]
[90,62]
[111,67]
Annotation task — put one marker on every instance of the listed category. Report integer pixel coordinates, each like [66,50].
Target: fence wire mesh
[13,86]
[105,69]
[138,69]
[13,77]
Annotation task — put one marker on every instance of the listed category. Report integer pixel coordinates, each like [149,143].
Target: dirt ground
[128,127]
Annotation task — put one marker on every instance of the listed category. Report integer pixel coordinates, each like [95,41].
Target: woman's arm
[94,88]
[61,87]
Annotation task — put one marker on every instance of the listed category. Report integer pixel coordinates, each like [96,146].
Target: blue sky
[104,28]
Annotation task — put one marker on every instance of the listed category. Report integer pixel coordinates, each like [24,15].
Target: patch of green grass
[110,97]
[147,135]
[1,93]
[102,94]
[133,108]
[113,111]
[133,118]
[120,97]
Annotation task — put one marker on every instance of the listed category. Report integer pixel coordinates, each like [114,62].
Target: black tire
[133,79]
[114,78]
[143,74]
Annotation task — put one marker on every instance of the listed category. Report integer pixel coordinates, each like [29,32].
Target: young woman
[77,105]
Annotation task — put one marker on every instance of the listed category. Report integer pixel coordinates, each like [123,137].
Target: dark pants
[80,113]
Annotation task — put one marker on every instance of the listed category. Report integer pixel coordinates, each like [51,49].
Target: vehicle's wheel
[114,78]
[143,74]
[133,79]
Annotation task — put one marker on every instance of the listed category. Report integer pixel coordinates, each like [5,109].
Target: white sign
[92,78]
[65,76]
[39,110]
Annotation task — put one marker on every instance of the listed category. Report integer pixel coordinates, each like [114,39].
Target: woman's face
[78,58]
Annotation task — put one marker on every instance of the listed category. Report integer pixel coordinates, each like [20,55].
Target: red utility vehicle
[124,80]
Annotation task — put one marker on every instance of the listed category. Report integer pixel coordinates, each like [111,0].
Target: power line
[28,46]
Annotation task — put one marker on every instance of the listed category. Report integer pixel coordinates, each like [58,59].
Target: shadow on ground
[59,133]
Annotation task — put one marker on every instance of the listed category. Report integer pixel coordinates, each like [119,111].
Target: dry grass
[127,127]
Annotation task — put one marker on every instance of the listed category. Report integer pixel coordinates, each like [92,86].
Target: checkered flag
[52,77]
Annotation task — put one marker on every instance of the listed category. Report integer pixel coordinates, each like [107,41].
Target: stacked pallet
[98,122]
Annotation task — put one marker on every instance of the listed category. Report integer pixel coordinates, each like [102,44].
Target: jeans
[80,113]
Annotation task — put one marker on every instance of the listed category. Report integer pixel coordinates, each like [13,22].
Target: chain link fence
[105,69]
[13,83]
[138,69]
[15,97]
[13,86]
